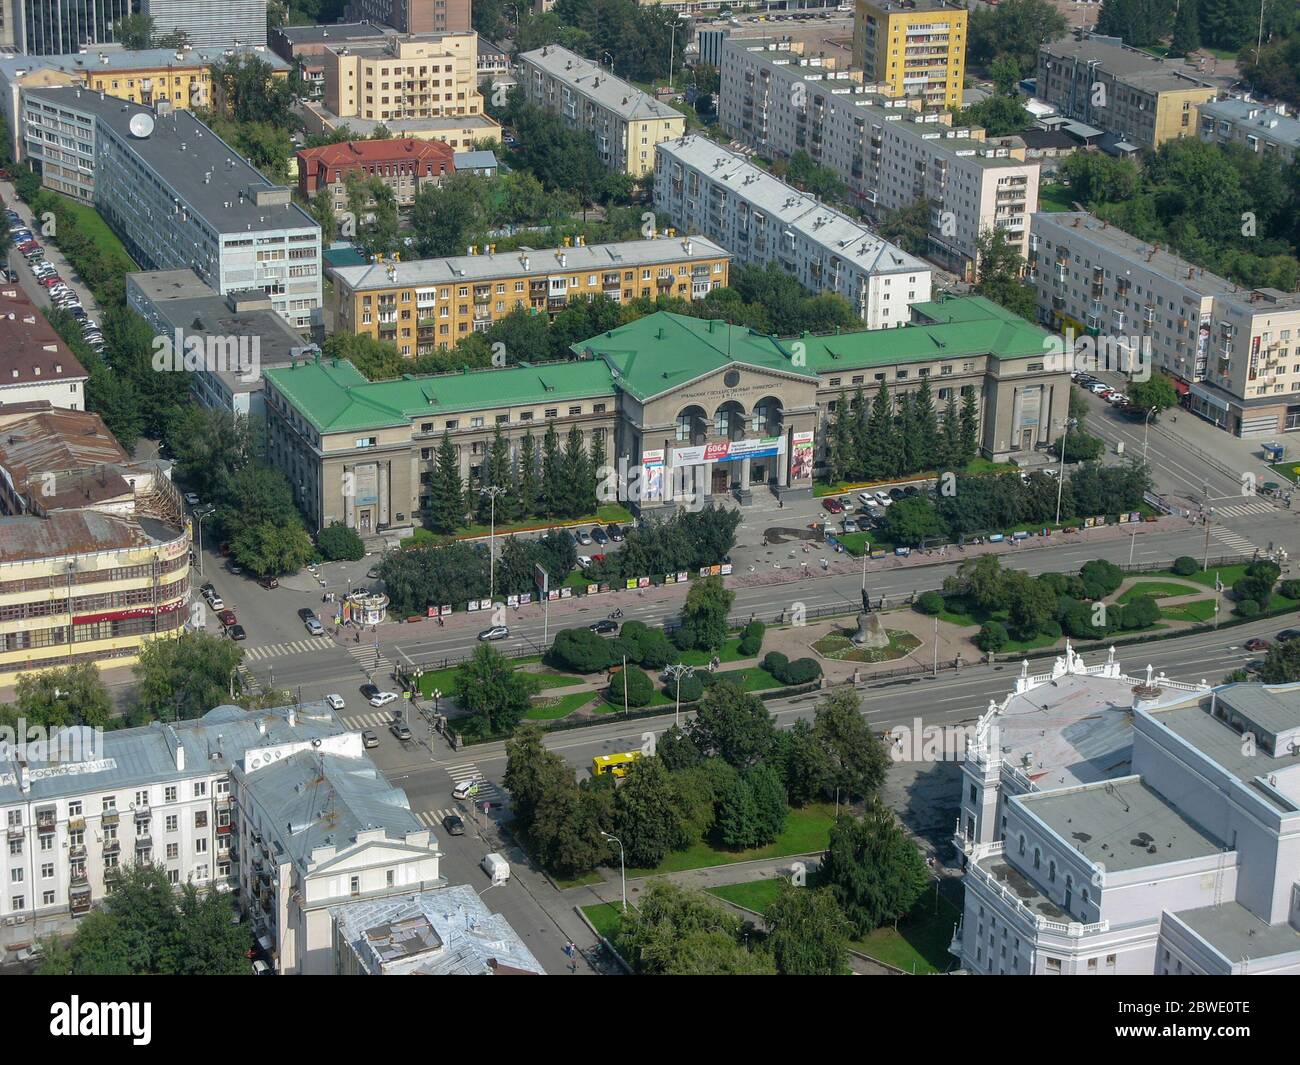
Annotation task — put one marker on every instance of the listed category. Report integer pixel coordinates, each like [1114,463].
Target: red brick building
[404,165]
[414,16]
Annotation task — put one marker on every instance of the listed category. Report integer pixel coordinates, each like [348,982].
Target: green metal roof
[335,397]
[665,351]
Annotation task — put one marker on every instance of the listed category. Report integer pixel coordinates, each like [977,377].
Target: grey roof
[541,262]
[1255,117]
[1130,65]
[119,59]
[474,160]
[324,800]
[146,755]
[181,150]
[805,214]
[364,127]
[339,31]
[1237,934]
[596,84]
[448,932]
[1122,824]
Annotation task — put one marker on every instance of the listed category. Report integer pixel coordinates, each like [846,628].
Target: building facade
[35,364]
[916,47]
[1267,130]
[57,27]
[624,122]
[704,408]
[212,23]
[304,47]
[413,16]
[889,154]
[1233,351]
[1131,96]
[1125,825]
[423,304]
[405,166]
[178,196]
[703,188]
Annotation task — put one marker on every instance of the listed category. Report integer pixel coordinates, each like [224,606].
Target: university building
[700,405]
[424,304]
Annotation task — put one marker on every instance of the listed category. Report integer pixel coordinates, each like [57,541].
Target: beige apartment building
[1135,99]
[625,122]
[423,304]
[1233,351]
[887,152]
[915,47]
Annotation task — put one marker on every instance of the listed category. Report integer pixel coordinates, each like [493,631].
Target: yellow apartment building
[915,47]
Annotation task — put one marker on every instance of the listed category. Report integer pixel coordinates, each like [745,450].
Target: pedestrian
[573,967]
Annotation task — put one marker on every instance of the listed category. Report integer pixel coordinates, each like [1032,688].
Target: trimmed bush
[1100,578]
[692,687]
[582,651]
[1051,628]
[991,637]
[1185,565]
[751,638]
[775,663]
[1290,589]
[338,542]
[929,603]
[1247,608]
[1139,614]
[640,689]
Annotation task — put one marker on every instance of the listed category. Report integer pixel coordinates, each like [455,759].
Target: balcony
[112,846]
[77,851]
[78,877]
[16,832]
[79,903]
[76,824]
[110,817]
[112,874]
[45,821]
[142,814]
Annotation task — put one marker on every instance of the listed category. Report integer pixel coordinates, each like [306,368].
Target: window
[173,852]
[354,885]
[171,823]
[169,794]
[200,818]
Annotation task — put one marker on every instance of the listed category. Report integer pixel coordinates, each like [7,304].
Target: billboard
[729,451]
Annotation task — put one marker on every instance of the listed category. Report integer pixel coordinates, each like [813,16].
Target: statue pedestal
[871,633]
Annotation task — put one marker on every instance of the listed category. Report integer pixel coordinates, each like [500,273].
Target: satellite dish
[141,125]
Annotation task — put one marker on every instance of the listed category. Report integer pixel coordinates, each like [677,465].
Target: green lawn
[1288,470]
[730,653]
[85,219]
[1038,642]
[807,831]
[856,543]
[1197,610]
[1157,590]
[756,895]
[604,916]
[444,679]
[610,512]
[920,945]
[556,680]
[1227,574]
[1055,198]
[558,706]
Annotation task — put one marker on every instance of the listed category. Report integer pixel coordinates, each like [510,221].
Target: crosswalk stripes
[293,647]
[1237,510]
[371,720]
[1234,540]
[433,818]
[368,657]
[461,772]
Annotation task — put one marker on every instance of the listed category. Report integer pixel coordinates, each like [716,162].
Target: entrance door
[721,479]
[1027,440]
[364,518]
[758,473]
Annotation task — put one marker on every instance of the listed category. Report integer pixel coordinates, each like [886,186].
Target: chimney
[293,717]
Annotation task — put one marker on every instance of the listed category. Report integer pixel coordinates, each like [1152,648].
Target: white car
[465,789]
[216,602]
[383,698]
[584,561]
[866,499]
[335,702]
[192,499]
[883,500]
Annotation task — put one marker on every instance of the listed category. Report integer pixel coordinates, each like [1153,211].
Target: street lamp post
[1060,477]
[200,517]
[492,491]
[678,671]
[1146,427]
[622,867]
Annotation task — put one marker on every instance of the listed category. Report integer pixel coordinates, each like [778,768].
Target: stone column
[744,493]
[350,498]
[383,471]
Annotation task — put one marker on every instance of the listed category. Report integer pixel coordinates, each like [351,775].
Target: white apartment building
[703,188]
[625,122]
[1122,825]
[886,152]
[1235,350]
[1260,128]
[177,195]
[281,805]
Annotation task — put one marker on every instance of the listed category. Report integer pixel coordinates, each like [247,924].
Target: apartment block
[1114,824]
[413,16]
[304,47]
[1135,99]
[625,122]
[1267,130]
[1234,351]
[887,152]
[177,195]
[405,166]
[210,23]
[424,304]
[915,47]
[701,187]
[181,78]
[35,364]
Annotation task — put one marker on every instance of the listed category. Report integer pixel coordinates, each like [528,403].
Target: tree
[211,447]
[999,114]
[337,541]
[565,830]
[443,216]
[970,421]
[530,770]
[809,769]
[446,507]
[856,759]
[998,270]
[752,811]
[1139,22]
[676,931]
[704,616]
[1032,603]
[183,678]
[908,227]
[734,725]
[1014,29]
[272,548]
[1156,393]
[677,750]
[134,32]
[553,487]
[911,522]
[874,871]
[528,490]
[54,698]
[1281,663]
[1187,29]
[807,933]
[496,694]
[646,814]
[814,179]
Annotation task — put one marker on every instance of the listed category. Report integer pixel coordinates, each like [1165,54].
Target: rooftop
[358,153]
[798,211]
[1237,934]
[1122,824]
[1131,65]
[527,263]
[212,180]
[339,31]
[43,453]
[31,352]
[598,85]
[478,126]
[101,58]
[1256,117]
[1159,261]
[448,932]
[76,532]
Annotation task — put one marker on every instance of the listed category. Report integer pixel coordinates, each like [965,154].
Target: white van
[496,867]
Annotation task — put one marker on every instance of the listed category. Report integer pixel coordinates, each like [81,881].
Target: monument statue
[871,633]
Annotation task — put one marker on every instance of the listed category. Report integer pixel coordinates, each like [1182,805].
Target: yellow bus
[613,764]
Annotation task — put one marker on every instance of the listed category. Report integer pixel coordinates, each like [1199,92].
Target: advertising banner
[801,467]
[729,451]
[652,474]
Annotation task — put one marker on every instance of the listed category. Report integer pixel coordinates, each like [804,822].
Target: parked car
[236,632]
[895,494]
[832,505]
[335,702]
[850,525]
[227,617]
[383,698]
[603,626]
[496,632]
[234,567]
[192,498]
[269,582]
[315,628]
[401,730]
[584,562]
[598,534]
[615,533]
[369,739]
[883,500]
[372,574]
[216,602]
[369,691]
[584,537]
[306,614]
[207,587]
[1289,634]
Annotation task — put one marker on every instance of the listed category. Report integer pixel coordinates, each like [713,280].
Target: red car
[833,505]
[227,618]
[51,280]
[1258,644]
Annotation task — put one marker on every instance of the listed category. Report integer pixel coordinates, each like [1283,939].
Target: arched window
[1038,858]
[1022,846]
